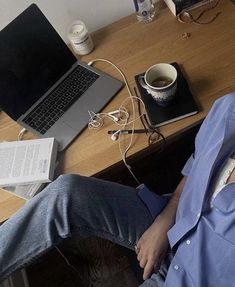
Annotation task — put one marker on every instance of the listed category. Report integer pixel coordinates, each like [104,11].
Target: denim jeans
[73,206]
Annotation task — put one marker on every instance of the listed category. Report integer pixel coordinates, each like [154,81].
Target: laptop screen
[32,58]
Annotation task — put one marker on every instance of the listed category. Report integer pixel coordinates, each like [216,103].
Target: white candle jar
[80,38]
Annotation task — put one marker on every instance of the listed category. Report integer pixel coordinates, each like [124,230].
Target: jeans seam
[12,268]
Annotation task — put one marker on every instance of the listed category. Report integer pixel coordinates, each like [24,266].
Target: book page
[25,191]
[24,162]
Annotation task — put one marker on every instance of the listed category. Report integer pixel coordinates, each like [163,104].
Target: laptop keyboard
[58,101]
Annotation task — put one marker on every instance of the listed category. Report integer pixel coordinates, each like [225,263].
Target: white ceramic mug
[160,81]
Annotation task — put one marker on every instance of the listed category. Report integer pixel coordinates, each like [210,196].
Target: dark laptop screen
[32,58]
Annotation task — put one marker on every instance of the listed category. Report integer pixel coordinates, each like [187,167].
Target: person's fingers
[138,244]
[148,269]
[139,256]
[137,249]
[142,259]
[143,262]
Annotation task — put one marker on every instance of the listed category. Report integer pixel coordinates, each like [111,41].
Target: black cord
[139,111]
[151,139]
[147,126]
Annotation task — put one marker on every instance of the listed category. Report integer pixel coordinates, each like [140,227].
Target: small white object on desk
[80,38]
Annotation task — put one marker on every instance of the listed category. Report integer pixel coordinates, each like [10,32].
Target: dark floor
[94,262]
[100,263]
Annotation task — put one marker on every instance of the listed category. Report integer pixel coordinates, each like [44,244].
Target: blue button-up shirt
[204,238]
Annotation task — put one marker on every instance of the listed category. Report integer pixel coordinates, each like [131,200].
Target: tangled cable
[96,120]
[120,117]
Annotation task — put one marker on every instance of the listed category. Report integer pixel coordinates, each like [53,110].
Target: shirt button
[176,267]
[188,241]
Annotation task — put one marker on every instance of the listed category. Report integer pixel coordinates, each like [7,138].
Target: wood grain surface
[206,56]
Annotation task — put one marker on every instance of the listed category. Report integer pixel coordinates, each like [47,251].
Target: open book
[27,162]
[25,191]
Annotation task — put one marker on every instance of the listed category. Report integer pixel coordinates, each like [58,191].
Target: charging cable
[67,261]
[21,134]
[119,117]
[127,122]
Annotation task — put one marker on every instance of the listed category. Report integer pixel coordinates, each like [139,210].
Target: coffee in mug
[160,81]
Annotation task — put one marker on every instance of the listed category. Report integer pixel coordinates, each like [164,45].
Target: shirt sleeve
[211,123]
[187,167]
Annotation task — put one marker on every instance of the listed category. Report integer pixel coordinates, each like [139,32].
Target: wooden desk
[207,57]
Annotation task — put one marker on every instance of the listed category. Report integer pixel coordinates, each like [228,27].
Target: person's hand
[152,246]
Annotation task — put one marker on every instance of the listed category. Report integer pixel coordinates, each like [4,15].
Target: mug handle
[142,82]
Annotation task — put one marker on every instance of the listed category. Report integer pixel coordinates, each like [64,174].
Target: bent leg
[71,205]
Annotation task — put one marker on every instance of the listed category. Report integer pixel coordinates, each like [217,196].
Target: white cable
[21,134]
[66,260]
[123,154]
[133,108]
[139,99]
[95,121]
[120,117]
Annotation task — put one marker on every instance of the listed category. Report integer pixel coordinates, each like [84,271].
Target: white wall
[95,13]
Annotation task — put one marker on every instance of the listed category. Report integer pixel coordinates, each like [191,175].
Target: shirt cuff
[186,169]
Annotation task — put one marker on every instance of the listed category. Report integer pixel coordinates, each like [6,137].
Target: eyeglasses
[154,135]
[187,17]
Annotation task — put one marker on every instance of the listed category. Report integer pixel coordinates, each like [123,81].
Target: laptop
[42,84]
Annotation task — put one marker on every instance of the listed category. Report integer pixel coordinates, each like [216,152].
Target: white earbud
[113,112]
[115,136]
[116,119]
[113,115]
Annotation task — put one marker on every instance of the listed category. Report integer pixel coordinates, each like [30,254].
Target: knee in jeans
[66,181]
[70,186]
[62,183]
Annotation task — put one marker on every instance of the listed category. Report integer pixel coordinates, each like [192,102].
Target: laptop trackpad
[63,133]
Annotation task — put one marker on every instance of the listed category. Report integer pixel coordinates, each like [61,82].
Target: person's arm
[153,244]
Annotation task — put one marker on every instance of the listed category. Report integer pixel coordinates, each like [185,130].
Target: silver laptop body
[20,83]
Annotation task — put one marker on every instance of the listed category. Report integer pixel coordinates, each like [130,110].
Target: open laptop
[42,85]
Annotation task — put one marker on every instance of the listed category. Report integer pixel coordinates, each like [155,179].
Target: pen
[123,132]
